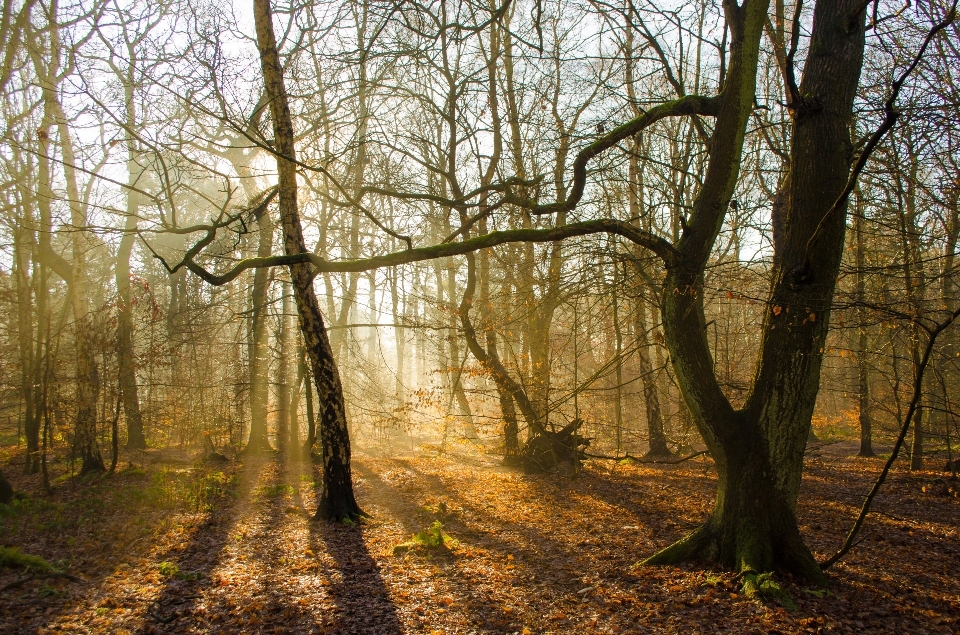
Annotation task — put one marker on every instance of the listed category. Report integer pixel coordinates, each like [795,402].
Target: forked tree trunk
[759,449]
[335,498]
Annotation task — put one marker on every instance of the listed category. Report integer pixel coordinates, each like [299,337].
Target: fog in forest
[479,317]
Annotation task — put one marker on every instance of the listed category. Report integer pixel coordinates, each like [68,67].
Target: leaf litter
[489,550]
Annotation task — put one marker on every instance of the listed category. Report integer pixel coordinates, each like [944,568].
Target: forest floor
[168,545]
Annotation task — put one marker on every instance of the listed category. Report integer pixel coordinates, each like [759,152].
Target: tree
[758,445]
[336,499]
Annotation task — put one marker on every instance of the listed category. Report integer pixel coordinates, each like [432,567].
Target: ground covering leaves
[169,545]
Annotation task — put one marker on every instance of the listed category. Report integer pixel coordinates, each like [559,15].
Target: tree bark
[6,490]
[285,417]
[759,450]
[335,498]
[656,436]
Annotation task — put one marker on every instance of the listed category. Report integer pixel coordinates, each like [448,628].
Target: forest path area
[186,547]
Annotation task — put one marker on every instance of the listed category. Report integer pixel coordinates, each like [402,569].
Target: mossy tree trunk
[759,449]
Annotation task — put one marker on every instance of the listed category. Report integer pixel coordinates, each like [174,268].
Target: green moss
[764,588]
[13,558]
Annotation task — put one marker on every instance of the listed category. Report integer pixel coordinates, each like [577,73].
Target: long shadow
[275,590]
[469,598]
[556,564]
[363,603]
[196,561]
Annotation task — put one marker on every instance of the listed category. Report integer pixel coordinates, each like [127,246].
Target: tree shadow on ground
[362,599]
[486,613]
[545,570]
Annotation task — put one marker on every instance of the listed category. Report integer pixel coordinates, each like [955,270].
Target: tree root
[347,514]
[756,581]
[763,588]
[694,546]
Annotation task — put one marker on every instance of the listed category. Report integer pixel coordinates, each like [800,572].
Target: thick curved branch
[491,361]
[689,105]
[654,243]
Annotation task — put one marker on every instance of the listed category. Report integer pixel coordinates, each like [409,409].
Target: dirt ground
[168,545]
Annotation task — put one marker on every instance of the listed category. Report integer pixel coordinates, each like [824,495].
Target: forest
[489,316]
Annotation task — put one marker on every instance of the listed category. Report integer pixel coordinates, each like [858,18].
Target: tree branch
[891,115]
[688,105]
[654,243]
[849,543]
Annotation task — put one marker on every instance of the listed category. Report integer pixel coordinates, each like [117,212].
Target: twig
[891,115]
[849,543]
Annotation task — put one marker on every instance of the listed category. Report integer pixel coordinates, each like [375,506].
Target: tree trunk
[88,373]
[468,429]
[27,337]
[311,439]
[259,351]
[863,371]
[335,499]
[6,490]
[759,450]
[656,436]
[284,416]
[129,389]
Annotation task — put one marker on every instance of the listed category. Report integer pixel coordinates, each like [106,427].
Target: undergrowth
[431,538]
[13,558]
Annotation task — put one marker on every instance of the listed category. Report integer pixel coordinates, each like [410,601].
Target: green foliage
[818,593]
[208,488]
[431,538]
[272,491]
[440,509]
[169,569]
[13,558]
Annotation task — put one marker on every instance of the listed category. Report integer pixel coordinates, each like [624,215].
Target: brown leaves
[536,554]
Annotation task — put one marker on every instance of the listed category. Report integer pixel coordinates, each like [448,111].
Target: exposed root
[347,513]
[763,588]
[695,546]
